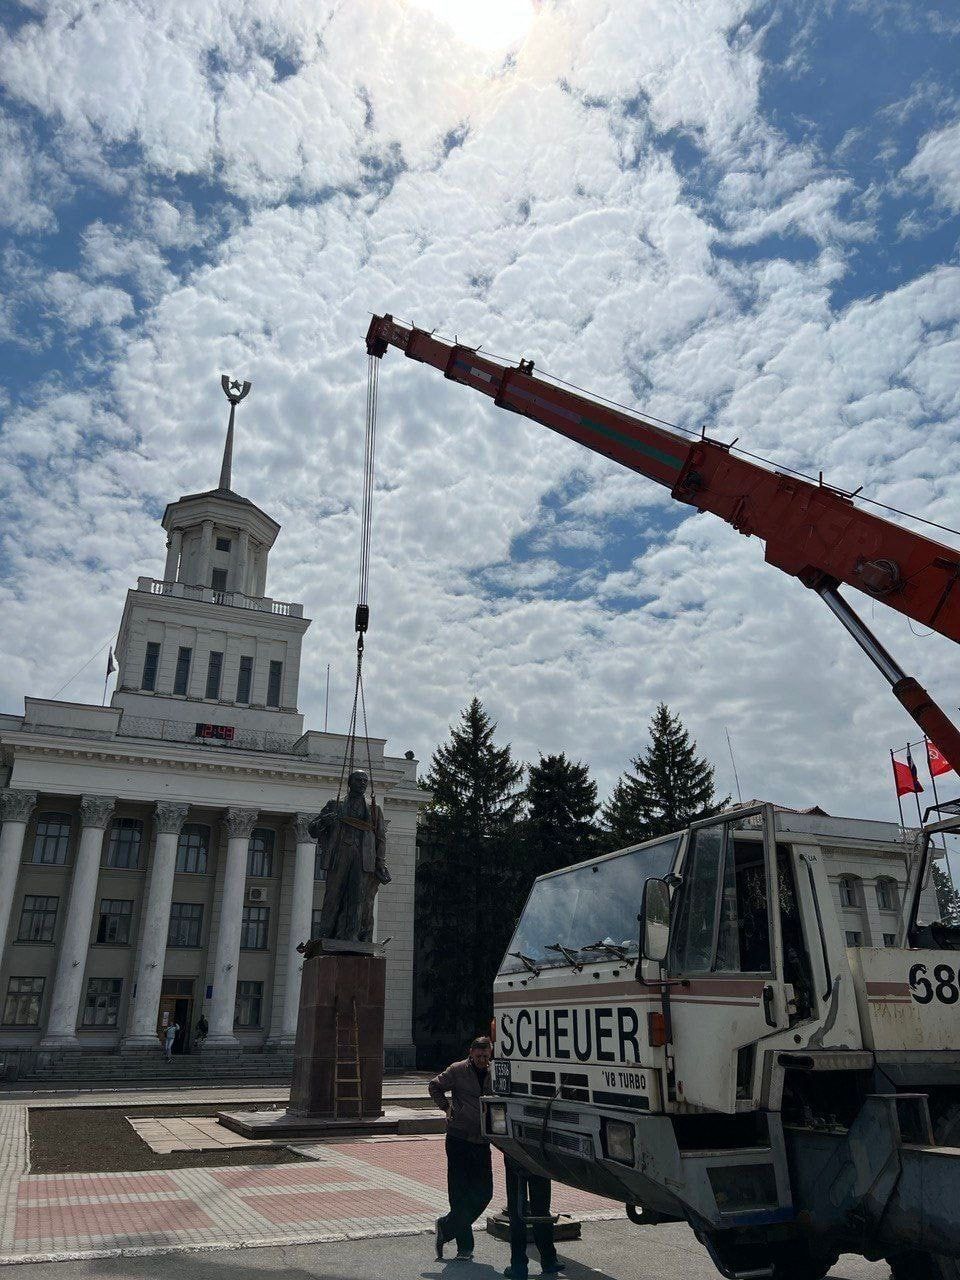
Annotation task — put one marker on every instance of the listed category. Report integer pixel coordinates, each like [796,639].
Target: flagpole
[916,794]
[936,801]
[896,785]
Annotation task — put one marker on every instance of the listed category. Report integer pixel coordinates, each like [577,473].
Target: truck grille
[578,1144]
[561,1117]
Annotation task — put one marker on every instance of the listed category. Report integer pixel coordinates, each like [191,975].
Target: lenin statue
[352,842]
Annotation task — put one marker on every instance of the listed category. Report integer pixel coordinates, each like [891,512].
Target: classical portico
[155,862]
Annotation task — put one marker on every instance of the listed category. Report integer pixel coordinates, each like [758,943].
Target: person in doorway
[203,1028]
[173,1030]
[469,1173]
[528,1196]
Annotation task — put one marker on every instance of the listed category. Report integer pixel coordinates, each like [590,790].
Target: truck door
[726,989]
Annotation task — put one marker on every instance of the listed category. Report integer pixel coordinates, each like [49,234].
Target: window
[181,679]
[273,684]
[887,894]
[126,837]
[255,927]
[218,580]
[37,919]
[52,839]
[249,1002]
[260,852]
[889,939]
[102,1008]
[214,667]
[244,679]
[723,923]
[22,1005]
[318,871]
[854,938]
[192,848]
[150,664]
[115,917]
[186,920]
[223,544]
[315,922]
[848,891]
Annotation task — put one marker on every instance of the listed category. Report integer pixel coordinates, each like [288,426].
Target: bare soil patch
[99,1140]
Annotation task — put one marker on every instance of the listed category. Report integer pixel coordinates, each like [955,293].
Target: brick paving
[346,1190]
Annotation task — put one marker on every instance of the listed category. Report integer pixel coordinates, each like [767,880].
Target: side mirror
[655,921]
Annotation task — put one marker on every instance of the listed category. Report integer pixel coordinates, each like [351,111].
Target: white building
[154,855]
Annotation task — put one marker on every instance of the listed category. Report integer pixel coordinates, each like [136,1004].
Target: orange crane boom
[811,531]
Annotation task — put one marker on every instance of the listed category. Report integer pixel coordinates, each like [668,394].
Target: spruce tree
[671,786]
[466,876]
[560,825]
[948,899]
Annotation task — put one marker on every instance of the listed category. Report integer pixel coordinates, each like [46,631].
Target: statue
[352,842]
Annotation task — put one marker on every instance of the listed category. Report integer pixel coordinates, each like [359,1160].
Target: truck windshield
[940,898]
[597,902]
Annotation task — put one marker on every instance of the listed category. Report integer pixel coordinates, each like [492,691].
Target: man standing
[353,842]
[529,1189]
[469,1173]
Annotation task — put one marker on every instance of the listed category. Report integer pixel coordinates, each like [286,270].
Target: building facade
[154,856]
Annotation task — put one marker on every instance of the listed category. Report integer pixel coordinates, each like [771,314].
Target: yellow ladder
[346,1079]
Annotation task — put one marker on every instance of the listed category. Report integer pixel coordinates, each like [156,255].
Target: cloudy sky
[733,214]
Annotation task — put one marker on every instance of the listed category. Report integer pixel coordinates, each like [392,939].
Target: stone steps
[80,1068]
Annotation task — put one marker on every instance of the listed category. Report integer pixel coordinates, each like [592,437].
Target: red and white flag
[111,664]
[937,760]
[905,776]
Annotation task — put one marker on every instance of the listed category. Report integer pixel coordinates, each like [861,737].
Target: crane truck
[680,1025]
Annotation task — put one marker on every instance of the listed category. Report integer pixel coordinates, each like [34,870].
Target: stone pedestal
[331,982]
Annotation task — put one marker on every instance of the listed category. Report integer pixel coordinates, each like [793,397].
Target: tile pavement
[345,1190]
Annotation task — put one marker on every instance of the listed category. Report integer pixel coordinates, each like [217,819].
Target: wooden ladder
[346,1079]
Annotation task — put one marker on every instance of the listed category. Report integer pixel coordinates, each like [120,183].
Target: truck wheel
[914,1264]
[796,1260]
[800,1261]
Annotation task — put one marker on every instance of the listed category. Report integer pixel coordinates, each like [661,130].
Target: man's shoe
[553,1269]
[464,1257]
[439,1240]
[512,1273]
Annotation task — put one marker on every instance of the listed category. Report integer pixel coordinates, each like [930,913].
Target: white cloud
[555,228]
[936,166]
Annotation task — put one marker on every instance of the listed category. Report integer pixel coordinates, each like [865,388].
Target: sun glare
[490,25]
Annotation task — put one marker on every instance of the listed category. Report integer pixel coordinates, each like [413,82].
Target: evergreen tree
[671,786]
[467,875]
[560,825]
[948,898]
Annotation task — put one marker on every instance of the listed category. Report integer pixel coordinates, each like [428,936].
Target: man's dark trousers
[470,1188]
[522,1186]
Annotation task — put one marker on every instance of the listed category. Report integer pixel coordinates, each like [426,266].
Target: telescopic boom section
[812,532]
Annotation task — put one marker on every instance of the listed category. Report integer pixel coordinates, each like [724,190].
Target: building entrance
[176,1006]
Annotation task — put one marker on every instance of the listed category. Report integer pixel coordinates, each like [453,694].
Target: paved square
[346,1189]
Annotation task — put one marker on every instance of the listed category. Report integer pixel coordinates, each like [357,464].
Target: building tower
[205,649]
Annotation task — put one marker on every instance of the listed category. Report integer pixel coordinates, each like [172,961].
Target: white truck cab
[682,1025]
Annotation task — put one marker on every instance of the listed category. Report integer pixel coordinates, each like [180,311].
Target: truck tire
[793,1260]
[914,1264]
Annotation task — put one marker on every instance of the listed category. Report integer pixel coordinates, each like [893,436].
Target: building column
[239,824]
[143,1011]
[95,813]
[174,543]
[206,547]
[241,563]
[301,922]
[15,809]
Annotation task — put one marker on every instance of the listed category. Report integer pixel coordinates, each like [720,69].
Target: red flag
[905,776]
[937,760]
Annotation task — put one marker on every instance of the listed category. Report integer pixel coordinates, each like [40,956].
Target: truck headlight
[618,1140]
[497,1118]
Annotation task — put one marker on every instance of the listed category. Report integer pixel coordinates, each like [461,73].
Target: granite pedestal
[349,979]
